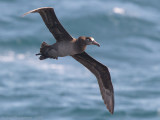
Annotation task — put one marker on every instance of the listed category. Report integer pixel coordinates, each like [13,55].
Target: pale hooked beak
[96,43]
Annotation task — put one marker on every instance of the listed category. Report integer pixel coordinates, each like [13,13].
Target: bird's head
[88,41]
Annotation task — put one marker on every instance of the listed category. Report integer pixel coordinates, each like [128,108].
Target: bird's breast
[65,49]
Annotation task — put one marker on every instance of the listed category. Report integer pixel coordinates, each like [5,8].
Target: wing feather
[49,17]
[103,76]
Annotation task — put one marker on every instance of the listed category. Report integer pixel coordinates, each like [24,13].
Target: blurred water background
[129,34]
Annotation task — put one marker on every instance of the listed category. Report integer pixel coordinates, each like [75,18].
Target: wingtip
[109,102]
[110,108]
[26,14]
[111,111]
[32,11]
[36,10]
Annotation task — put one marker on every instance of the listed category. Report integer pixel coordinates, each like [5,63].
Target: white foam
[6,58]
[118,10]
[11,57]
[21,56]
[44,66]
[27,59]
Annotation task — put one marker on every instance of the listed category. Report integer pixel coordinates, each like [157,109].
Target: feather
[103,76]
[49,17]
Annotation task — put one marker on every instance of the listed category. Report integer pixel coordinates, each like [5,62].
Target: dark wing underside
[49,17]
[103,76]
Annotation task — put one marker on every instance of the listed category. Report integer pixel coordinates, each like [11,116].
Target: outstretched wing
[103,76]
[49,17]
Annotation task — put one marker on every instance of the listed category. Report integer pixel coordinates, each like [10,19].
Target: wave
[27,59]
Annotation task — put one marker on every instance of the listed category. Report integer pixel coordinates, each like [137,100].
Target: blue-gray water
[129,34]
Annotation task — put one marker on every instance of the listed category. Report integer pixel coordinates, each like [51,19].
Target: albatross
[66,45]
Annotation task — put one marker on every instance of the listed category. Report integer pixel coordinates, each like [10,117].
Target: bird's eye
[88,39]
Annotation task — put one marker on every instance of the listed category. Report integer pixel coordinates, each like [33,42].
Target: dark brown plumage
[53,24]
[103,76]
[66,45]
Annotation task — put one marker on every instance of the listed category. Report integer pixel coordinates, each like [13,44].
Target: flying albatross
[66,45]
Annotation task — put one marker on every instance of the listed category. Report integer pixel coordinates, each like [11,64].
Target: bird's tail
[43,51]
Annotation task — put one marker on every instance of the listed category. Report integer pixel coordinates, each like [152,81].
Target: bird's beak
[96,43]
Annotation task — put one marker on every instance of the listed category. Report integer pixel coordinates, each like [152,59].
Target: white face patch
[92,38]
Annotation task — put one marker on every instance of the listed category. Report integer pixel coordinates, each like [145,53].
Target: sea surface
[63,89]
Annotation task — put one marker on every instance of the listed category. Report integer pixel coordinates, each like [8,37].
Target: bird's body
[63,48]
[66,45]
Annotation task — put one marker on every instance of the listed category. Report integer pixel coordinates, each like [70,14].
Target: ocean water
[129,34]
